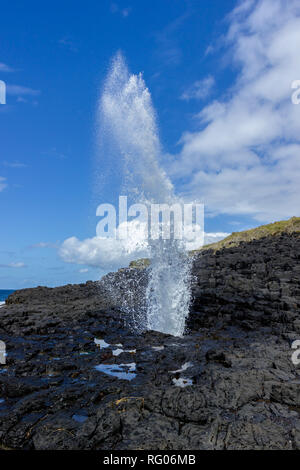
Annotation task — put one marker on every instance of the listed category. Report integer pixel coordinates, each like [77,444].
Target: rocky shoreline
[229,383]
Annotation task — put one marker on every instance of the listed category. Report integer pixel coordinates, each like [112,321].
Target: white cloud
[125,12]
[44,245]
[106,253]
[3,185]
[168,49]
[209,50]
[13,265]
[114,8]
[20,99]
[112,253]
[21,90]
[209,237]
[245,158]
[68,43]
[17,265]
[214,237]
[5,68]
[84,270]
[53,152]
[199,90]
[14,164]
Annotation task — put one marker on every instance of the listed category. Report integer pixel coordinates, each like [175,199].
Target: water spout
[128,120]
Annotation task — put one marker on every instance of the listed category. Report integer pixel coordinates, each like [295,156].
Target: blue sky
[220,76]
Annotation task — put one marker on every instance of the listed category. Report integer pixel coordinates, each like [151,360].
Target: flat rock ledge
[229,383]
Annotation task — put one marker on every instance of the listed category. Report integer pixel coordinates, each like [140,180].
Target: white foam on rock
[116,352]
[121,371]
[182,382]
[184,367]
[101,343]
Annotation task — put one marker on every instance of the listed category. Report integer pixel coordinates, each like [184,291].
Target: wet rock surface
[229,383]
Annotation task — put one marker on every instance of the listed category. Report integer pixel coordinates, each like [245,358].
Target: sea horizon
[4,293]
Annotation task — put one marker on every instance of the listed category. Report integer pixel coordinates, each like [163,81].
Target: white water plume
[128,121]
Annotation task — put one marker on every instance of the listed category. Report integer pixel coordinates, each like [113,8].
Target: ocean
[4,293]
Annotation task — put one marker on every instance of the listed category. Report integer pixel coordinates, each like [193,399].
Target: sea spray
[168,292]
[128,121]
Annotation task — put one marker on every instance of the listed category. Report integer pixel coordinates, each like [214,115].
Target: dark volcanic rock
[228,384]
[253,285]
